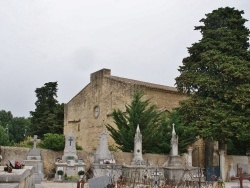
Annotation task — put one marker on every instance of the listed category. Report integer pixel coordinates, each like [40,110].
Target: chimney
[99,74]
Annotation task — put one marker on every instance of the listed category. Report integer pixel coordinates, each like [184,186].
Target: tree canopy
[216,75]
[48,115]
[15,127]
[141,113]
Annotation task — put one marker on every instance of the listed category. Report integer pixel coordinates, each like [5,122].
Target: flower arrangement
[81,172]
[60,172]
[19,165]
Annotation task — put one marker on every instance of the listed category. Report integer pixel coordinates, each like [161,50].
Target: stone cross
[35,140]
[70,140]
[240,177]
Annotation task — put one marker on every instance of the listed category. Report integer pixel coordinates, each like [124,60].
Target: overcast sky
[65,41]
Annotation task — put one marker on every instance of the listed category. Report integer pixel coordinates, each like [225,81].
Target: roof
[140,83]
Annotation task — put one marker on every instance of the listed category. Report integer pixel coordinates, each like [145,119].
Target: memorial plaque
[212,173]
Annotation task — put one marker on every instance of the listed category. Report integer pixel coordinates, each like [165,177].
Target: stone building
[87,112]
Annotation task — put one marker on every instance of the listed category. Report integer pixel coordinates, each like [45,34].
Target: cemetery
[24,168]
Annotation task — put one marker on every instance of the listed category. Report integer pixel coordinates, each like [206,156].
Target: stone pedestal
[71,168]
[141,174]
[18,178]
[174,168]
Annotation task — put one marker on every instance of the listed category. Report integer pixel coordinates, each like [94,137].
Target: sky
[65,41]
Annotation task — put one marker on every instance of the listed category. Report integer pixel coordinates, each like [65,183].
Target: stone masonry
[87,112]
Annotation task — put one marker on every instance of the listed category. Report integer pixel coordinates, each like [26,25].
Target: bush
[60,172]
[81,172]
[4,138]
[26,143]
[54,142]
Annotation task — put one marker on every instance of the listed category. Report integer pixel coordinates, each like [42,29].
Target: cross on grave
[156,174]
[240,177]
[35,140]
[70,140]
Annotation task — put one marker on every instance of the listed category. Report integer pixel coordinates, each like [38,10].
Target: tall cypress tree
[216,75]
[48,115]
[141,113]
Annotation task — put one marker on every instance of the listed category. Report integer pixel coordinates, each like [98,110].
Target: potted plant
[81,173]
[59,173]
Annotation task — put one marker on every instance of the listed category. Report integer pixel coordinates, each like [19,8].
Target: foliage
[4,138]
[15,127]
[139,112]
[216,75]
[186,134]
[48,115]
[55,142]
[81,172]
[60,172]
[25,143]
[78,147]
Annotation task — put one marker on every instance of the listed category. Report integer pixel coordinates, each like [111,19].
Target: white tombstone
[69,164]
[34,159]
[231,172]
[222,165]
[103,153]
[174,143]
[70,148]
[189,157]
[138,160]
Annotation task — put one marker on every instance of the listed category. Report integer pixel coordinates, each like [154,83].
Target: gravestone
[18,178]
[104,163]
[138,160]
[70,147]
[34,159]
[174,168]
[98,182]
[244,168]
[70,164]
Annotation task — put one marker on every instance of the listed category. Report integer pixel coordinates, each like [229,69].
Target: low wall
[49,157]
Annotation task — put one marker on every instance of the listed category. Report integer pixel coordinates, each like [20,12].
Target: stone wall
[89,110]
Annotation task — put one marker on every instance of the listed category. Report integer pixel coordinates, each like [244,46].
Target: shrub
[60,172]
[81,172]
[54,142]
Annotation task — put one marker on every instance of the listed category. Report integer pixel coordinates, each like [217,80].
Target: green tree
[4,138]
[18,128]
[186,134]
[15,127]
[54,142]
[48,115]
[216,75]
[141,113]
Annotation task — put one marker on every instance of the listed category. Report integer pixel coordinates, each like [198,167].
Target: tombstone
[98,182]
[138,160]
[104,163]
[18,178]
[174,167]
[70,164]
[139,171]
[231,172]
[244,168]
[70,147]
[34,159]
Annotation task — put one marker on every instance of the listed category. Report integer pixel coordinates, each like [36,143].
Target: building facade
[87,112]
